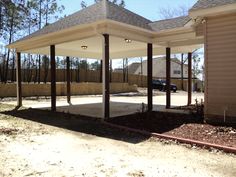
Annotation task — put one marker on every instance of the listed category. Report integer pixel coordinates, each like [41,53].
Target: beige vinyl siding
[221,65]
[200,30]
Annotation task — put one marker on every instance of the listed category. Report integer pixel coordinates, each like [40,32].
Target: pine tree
[19,18]
[120,3]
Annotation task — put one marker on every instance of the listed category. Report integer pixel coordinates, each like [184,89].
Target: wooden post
[123,70]
[168,75]
[141,72]
[53,78]
[18,79]
[189,78]
[106,83]
[182,71]
[149,73]
[110,70]
[68,80]
[127,70]
[101,71]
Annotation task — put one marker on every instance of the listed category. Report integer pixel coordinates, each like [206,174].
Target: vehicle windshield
[164,82]
[156,81]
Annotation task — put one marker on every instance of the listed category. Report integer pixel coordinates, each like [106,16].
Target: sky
[146,8]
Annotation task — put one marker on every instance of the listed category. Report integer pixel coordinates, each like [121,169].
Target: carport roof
[106,10]
[103,10]
[170,23]
[85,28]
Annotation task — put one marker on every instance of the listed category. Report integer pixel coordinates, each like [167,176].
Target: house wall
[220,63]
[200,30]
[159,69]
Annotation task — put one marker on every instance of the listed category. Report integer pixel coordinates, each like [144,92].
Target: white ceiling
[118,48]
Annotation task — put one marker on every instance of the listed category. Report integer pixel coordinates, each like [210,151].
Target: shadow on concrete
[83,124]
[95,109]
[156,122]
[117,109]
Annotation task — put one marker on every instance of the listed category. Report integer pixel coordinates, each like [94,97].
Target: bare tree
[167,13]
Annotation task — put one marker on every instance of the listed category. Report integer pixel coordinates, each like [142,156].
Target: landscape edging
[181,140]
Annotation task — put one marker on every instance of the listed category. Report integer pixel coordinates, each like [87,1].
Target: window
[177,72]
[156,82]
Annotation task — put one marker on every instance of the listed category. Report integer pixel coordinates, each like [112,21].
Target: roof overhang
[84,31]
[219,10]
[118,48]
[68,42]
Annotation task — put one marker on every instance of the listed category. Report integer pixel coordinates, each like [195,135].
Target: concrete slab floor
[121,104]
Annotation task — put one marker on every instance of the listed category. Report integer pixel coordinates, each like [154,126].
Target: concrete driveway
[121,104]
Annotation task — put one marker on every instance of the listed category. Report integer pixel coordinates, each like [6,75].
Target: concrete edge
[205,145]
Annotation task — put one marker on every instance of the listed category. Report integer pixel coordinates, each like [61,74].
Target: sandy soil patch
[37,143]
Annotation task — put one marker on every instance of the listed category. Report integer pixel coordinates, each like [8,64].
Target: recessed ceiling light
[128,40]
[84,47]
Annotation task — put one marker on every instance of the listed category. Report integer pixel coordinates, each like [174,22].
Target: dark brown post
[127,70]
[18,79]
[101,71]
[53,78]
[106,81]
[168,94]
[123,70]
[110,70]
[182,71]
[189,78]
[68,80]
[149,72]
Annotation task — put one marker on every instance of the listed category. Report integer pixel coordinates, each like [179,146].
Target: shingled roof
[204,4]
[106,10]
[99,11]
[120,14]
[170,23]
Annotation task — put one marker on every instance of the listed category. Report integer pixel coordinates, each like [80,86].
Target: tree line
[19,18]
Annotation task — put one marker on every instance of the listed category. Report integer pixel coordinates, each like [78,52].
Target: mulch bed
[180,125]
[225,136]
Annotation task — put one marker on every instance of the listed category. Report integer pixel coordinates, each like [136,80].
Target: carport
[106,31]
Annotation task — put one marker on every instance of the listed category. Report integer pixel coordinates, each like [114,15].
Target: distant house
[131,68]
[159,68]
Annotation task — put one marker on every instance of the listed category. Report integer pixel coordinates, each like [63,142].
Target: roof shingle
[107,10]
[204,4]
[123,15]
[170,23]
[98,11]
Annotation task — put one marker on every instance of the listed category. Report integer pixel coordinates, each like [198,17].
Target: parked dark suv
[161,85]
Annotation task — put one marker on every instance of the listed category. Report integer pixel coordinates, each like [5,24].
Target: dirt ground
[40,143]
